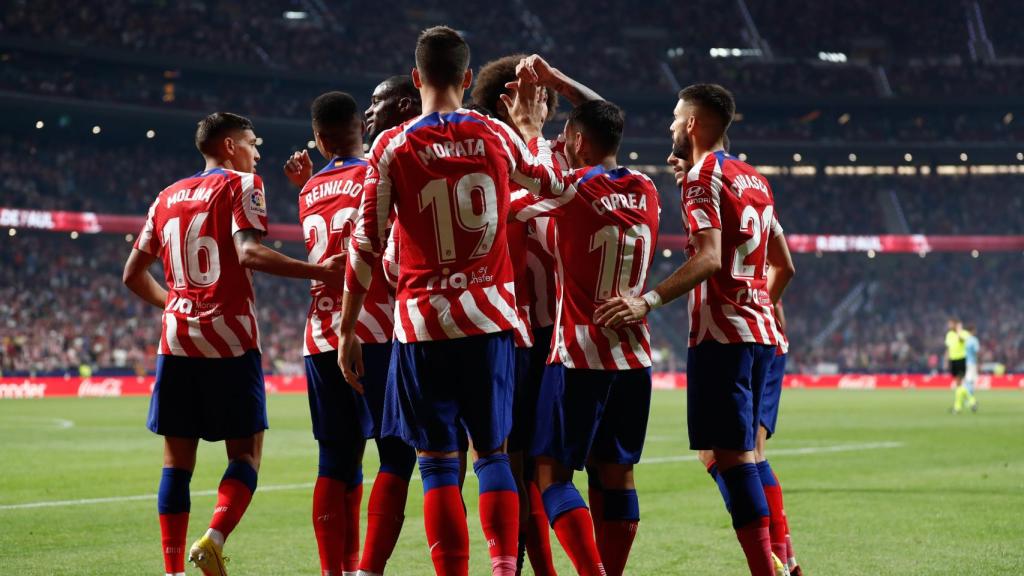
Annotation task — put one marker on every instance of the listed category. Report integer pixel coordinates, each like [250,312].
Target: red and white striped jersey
[210,303]
[732,306]
[517,238]
[607,227]
[447,177]
[328,207]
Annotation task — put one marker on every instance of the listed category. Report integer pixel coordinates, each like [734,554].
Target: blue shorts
[435,388]
[530,364]
[724,386]
[209,398]
[592,413]
[376,364]
[338,412]
[772,393]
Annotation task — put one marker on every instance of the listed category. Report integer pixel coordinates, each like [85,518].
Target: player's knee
[706,457]
[396,457]
[726,459]
[340,462]
[616,476]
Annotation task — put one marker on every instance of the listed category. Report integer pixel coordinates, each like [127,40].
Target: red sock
[353,505]
[615,543]
[447,534]
[756,543]
[595,497]
[777,525]
[574,531]
[499,518]
[385,514]
[233,497]
[538,542]
[173,532]
[329,520]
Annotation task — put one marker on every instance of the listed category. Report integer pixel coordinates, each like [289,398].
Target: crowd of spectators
[62,306]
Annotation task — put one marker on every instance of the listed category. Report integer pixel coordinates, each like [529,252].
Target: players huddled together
[478,294]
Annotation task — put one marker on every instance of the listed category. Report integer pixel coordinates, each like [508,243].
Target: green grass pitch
[879,482]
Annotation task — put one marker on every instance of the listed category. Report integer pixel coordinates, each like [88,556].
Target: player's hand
[620,311]
[536,70]
[527,107]
[350,360]
[299,168]
[334,272]
[678,169]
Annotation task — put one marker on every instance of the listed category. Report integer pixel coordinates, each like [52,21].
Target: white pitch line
[308,485]
[789,451]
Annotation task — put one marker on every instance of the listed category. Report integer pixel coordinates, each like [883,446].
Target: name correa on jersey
[210,304]
[733,305]
[446,178]
[328,208]
[606,227]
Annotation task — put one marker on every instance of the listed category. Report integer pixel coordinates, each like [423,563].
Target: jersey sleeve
[148,241]
[525,206]
[371,234]
[249,205]
[701,203]
[776,227]
[532,167]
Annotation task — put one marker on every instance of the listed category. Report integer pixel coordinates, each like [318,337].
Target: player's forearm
[575,92]
[778,280]
[260,258]
[146,287]
[351,304]
[696,270]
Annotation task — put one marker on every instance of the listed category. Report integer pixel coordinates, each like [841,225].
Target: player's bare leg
[748,507]
[782,544]
[233,497]
[621,515]
[173,500]
[569,516]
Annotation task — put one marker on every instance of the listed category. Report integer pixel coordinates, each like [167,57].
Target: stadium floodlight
[871,253]
[666,253]
[74,235]
[832,57]
[963,156]
[311,144]
[975,253]
[96,129]
[844,118]
[742,156]
[1008,118]
[150,134]
[852,157]
[797,157]
[908,157]
[1020,155]
[295,15]
[259,141]
[12,232]
[40,124]
[633,155]
[129,237]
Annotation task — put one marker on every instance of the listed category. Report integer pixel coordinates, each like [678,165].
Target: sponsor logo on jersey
[258,202]
[694,191]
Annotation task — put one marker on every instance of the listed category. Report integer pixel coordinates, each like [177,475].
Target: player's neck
[441,100]
[212,163]
[700,151]
[353,151]
[609,162]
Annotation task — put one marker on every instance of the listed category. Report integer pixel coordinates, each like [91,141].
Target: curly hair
[491,80]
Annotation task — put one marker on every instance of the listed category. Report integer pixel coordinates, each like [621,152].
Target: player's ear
[416,80]
[228,146]
[467,79]
[404,103]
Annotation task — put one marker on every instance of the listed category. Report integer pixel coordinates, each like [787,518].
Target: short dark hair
[491,80]
[216,126]
[442,56]
[714,98]
[402,87]
[333,111]
[601,122]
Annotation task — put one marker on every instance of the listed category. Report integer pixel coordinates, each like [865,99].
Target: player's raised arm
[534,69]
[255,256]
[532,165]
